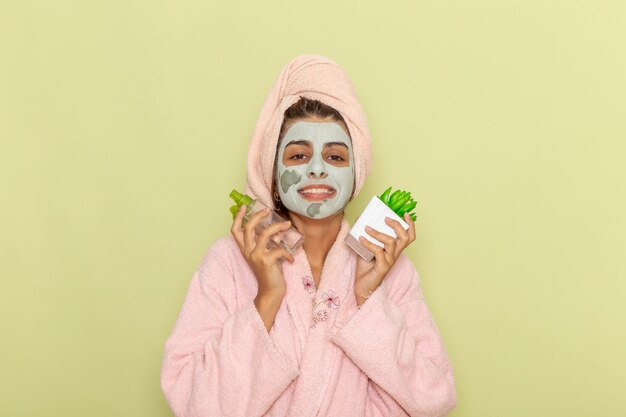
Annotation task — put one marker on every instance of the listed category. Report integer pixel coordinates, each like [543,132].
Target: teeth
[317,191]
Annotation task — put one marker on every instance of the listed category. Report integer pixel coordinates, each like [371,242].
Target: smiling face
[315,169]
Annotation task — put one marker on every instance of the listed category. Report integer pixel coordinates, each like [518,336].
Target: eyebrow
[308,143]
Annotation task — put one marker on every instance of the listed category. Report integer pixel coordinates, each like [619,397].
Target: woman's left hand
[369,275]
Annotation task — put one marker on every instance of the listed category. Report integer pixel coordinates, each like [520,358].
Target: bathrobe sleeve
[394,340]
[220,359]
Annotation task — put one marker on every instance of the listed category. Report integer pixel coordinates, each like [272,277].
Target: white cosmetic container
[373,216]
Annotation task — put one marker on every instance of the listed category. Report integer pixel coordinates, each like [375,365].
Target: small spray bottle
[289,239]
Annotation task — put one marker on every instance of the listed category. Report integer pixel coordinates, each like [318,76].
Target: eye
[298,156]
[336,158]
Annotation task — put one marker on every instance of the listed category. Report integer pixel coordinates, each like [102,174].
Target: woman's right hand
[266,264]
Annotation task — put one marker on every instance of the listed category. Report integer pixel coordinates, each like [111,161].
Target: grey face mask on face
[315,188]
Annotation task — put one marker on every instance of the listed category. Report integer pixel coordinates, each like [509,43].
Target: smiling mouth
[317,192]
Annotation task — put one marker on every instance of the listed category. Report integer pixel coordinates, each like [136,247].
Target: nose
[316,168]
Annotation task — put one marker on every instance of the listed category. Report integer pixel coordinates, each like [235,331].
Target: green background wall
[125,124]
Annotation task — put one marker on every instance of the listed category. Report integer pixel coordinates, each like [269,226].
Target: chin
[328,216]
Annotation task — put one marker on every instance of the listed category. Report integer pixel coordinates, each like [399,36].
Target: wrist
[362,294]
[269,297]
[365,289]
[267,307]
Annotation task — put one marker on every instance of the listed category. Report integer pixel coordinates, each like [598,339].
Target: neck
[319,234]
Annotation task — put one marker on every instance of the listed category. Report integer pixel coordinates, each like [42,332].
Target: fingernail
[368,229]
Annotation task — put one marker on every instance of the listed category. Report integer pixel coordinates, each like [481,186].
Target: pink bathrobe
[324,356]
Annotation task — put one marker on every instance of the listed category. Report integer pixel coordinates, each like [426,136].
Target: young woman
[320,332]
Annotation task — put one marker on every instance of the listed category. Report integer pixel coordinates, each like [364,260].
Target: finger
[403,236]
[388,241]
[397,227]
[379,236]
[236,228]
[264,236]
[249,229]
[411,223]
[378,251]
[277,255]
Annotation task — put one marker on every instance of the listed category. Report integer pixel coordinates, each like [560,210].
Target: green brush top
[239,199]
[399,201]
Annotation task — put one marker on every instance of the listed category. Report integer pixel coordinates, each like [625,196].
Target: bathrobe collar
[317,314]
